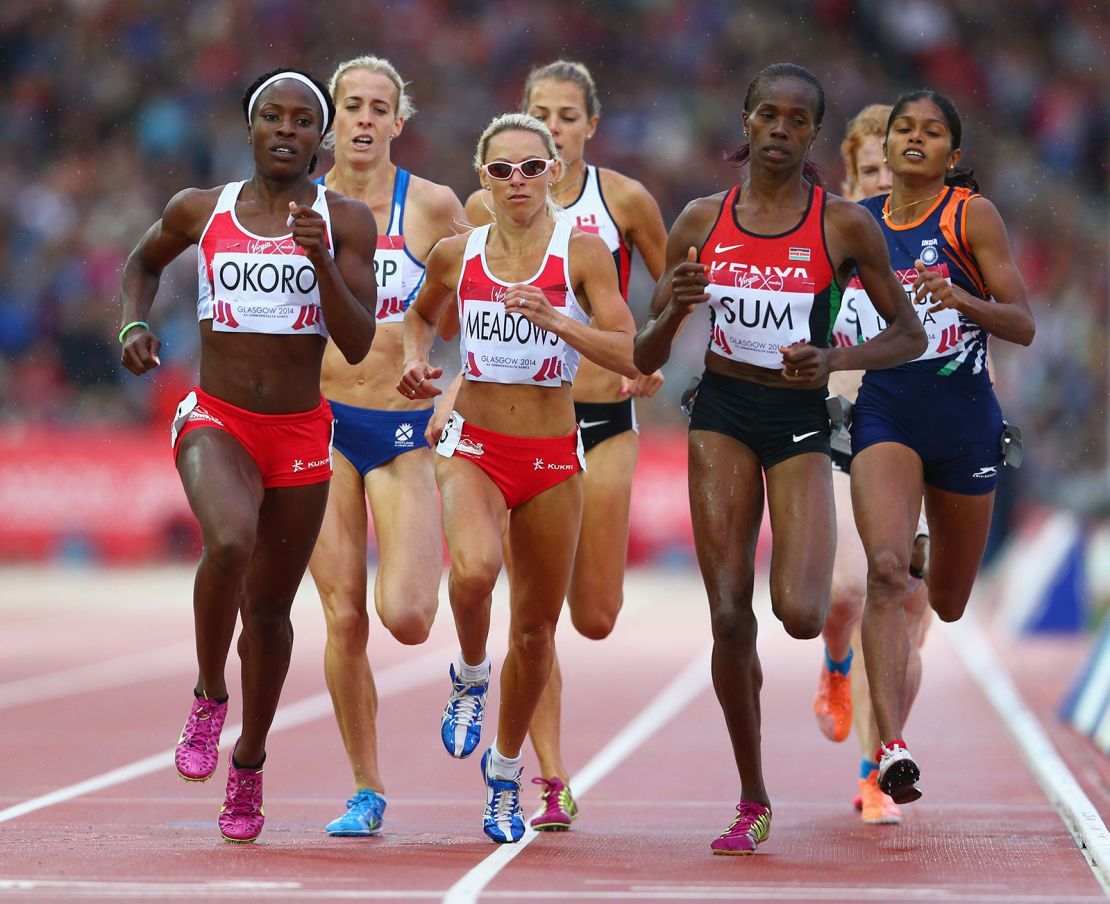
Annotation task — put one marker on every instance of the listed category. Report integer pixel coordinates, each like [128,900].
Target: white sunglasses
[529,169]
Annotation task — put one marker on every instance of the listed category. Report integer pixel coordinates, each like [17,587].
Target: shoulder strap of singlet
[476,241]
[560,239]
[727,203]
[225,202]
[953,226]
[594,176]
[228,196]
[397,205]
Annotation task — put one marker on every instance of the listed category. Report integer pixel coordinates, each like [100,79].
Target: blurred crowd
[118,104]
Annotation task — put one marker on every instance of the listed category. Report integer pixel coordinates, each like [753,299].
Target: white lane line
[1051,772]
[395,679]
[98,676]
[255,890]
[690,682]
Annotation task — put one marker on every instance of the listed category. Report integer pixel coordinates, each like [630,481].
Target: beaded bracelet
[131,326]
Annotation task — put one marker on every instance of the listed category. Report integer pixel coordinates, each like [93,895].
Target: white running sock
[471,674]
[501,767]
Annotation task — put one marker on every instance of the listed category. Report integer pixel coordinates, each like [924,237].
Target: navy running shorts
[369,438]
[953,423]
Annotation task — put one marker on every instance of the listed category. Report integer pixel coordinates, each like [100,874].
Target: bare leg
[225,492]
[410,546]
[597,581]
[726,501]
[474,520]
[958,525]
[886,493]
[338,567]
[287,527]
[543,536]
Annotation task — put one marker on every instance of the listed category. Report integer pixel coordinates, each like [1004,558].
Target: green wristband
[131,326]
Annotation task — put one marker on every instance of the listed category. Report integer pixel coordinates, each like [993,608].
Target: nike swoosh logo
[798,439]
[721,249]
[586,425]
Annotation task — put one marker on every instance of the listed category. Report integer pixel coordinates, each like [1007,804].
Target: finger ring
[520,303]
[421,380]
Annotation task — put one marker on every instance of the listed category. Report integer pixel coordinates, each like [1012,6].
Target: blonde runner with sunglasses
[622,212]
[534,295]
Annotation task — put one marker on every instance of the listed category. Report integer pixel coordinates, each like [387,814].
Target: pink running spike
[242,817]
[198,748]
[559,808]
[749,829]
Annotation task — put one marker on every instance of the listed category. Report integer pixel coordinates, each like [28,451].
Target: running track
[96,669]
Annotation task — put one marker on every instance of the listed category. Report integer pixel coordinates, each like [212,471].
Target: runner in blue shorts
[933,425]
[380,450]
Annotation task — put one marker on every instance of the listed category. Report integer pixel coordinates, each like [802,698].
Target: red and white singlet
[768,291]
[500,346]
[257,284]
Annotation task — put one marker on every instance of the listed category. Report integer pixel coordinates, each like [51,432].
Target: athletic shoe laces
[748,816]
[466,702]
[197,736]
[504,801]
[555,794]
[245,798]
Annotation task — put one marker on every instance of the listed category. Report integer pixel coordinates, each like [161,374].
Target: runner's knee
[472,577]
[949,606]
[534,639]
[594,624]
[229,551]
[408,627]
[844,610]
[348,630]
[887,580]
[801,618]
[734,626]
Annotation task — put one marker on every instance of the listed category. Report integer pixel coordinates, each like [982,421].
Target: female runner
[252,442]
[932,426]
[381,454]
[843,696]
[622,212]
[770,256]
[528,286]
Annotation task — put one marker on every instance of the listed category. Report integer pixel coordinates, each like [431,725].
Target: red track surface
[983,832]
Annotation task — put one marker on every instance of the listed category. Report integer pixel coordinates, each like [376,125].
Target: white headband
[296,76]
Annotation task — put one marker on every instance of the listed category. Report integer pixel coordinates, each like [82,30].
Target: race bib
[449,437]
[943,327]
[181,416]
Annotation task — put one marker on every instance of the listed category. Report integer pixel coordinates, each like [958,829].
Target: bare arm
[608,341]
[681,287]
[444,407]
[164,241]
[1008,316]
[419,328]
[348,290]
[860,243]
[638,213]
